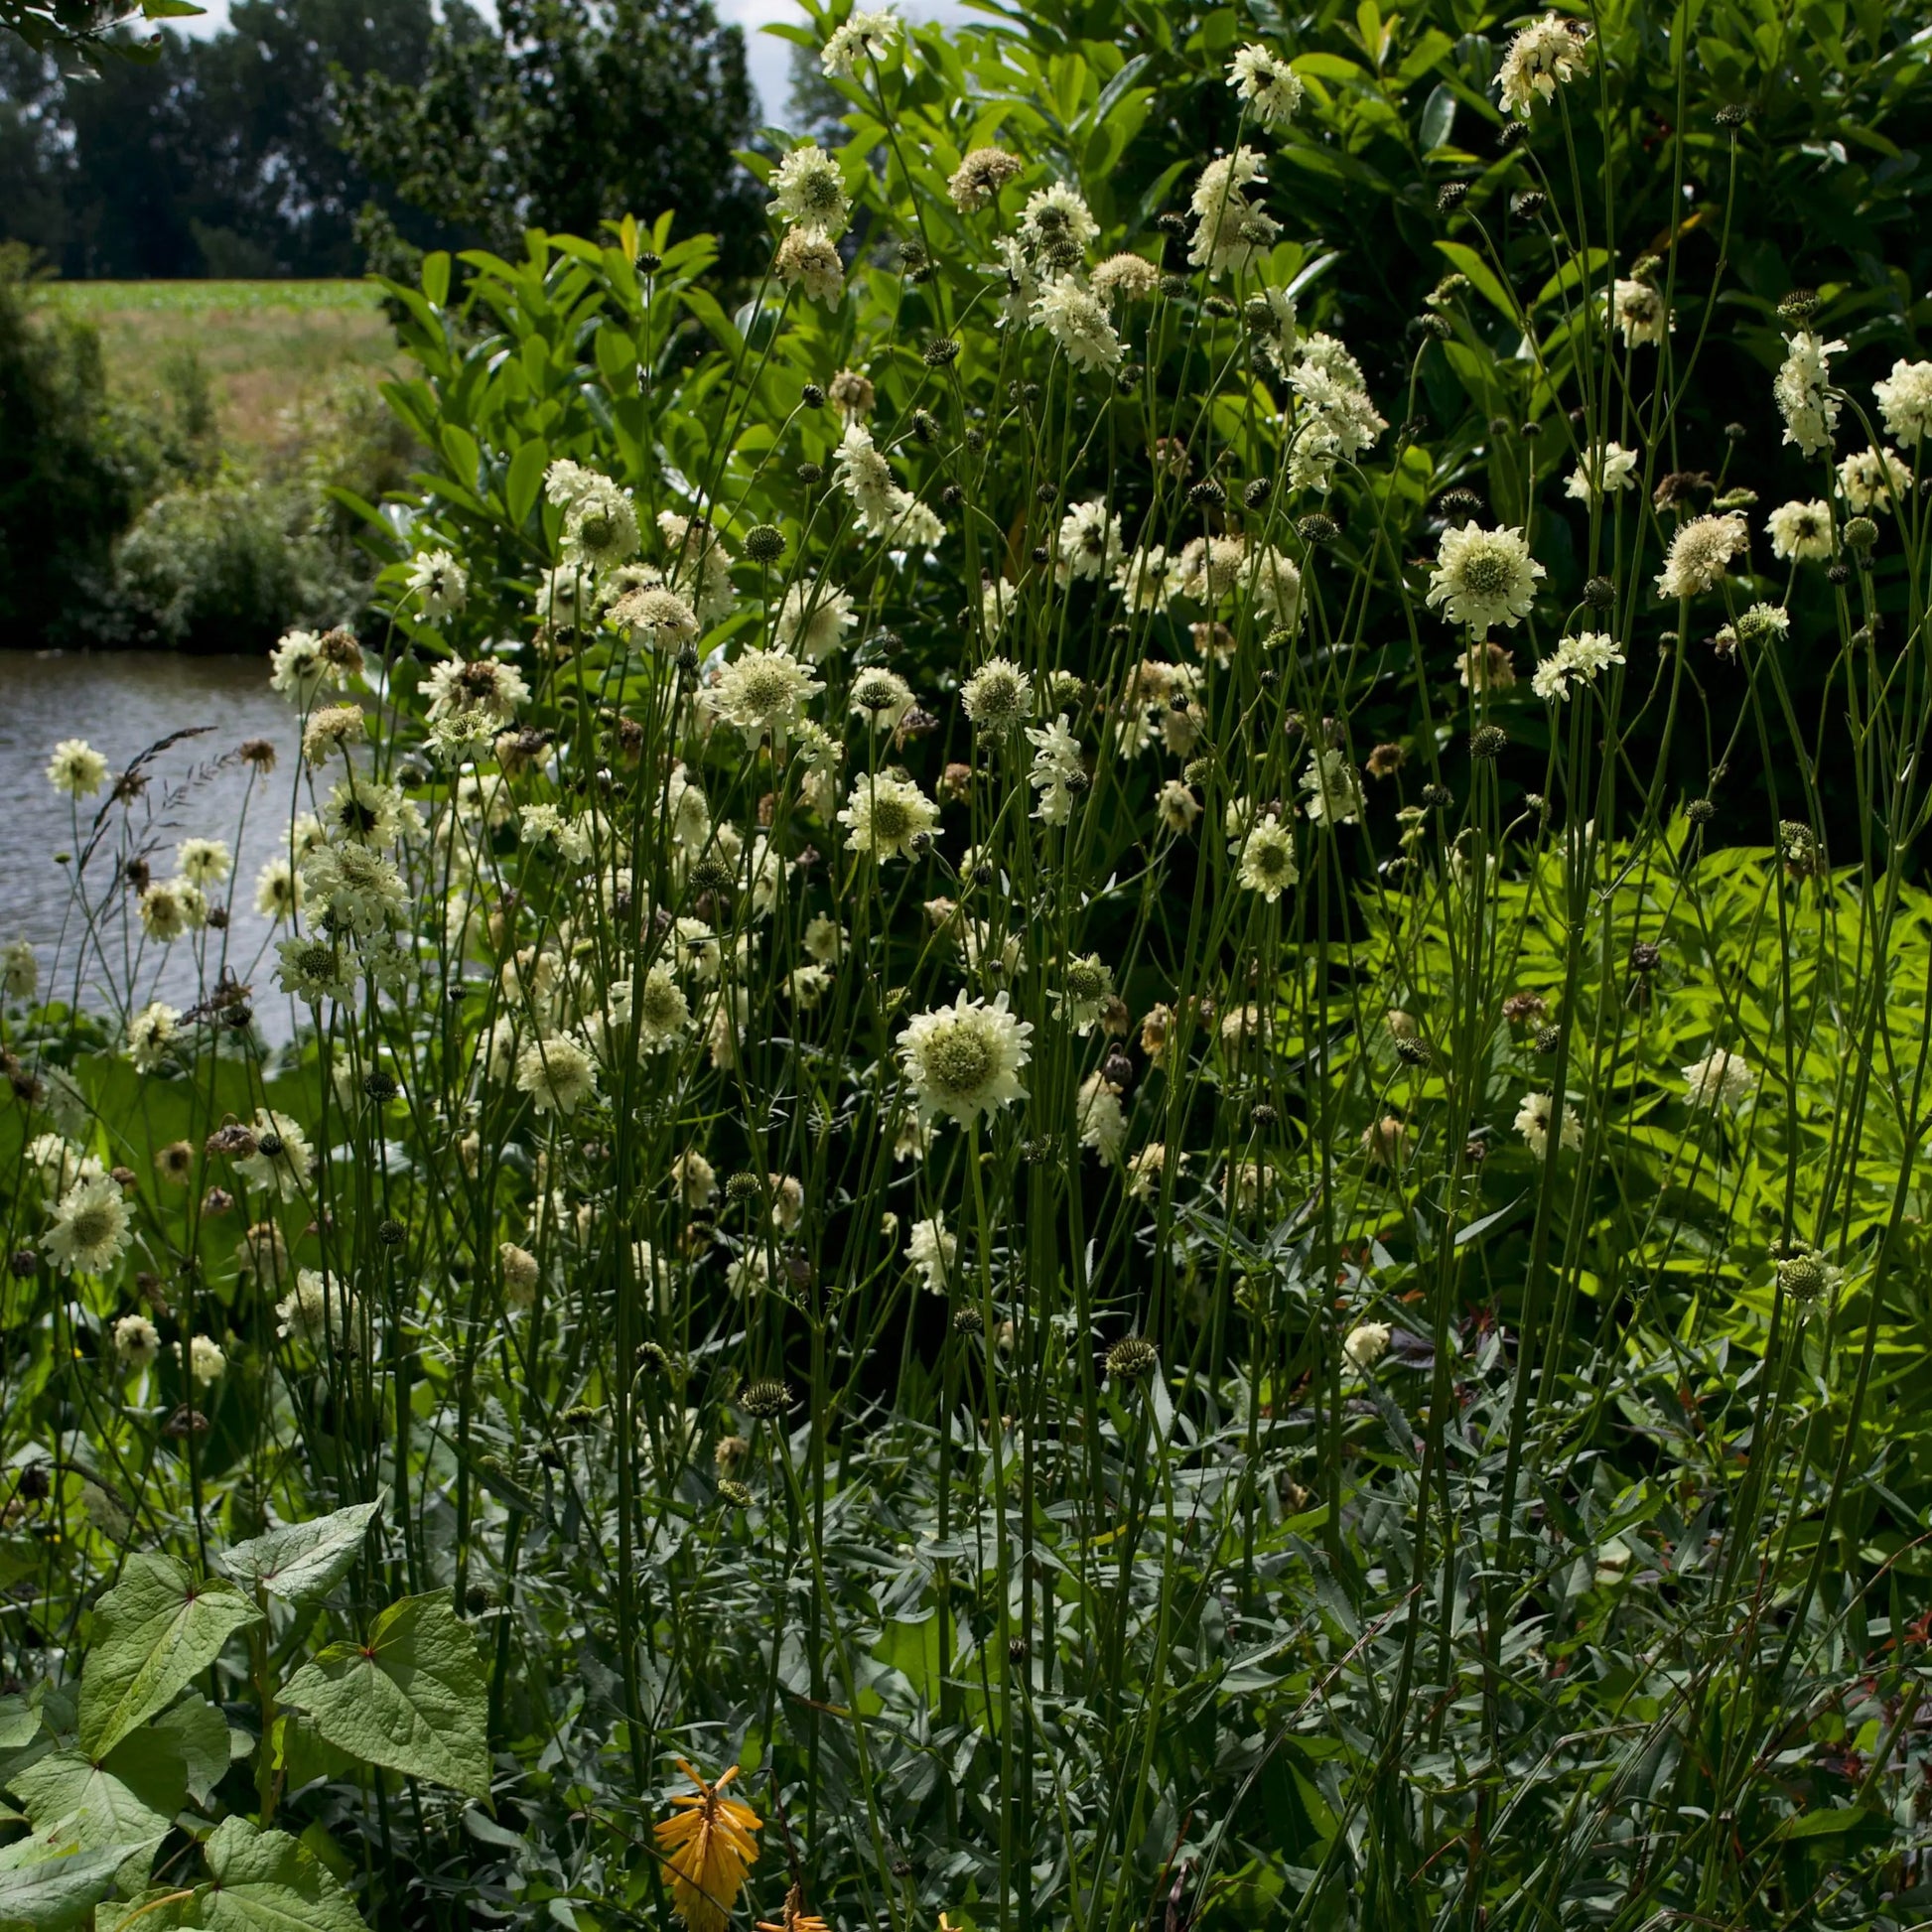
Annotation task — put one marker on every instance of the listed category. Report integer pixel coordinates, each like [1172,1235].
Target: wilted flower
[1698,553]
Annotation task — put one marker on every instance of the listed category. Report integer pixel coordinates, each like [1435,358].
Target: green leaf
[155,1629]
[159,1908]
[1482,275]
[49,1880]
[129,1796]
[435,277]
[413,1699]
[301,1562]
[267,1881]
[525,479]
[202,1736]
[1438,118]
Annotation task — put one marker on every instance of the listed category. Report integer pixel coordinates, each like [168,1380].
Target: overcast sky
[769,58]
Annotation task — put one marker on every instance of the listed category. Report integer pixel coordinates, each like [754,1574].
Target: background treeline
[310,139]
[312,133]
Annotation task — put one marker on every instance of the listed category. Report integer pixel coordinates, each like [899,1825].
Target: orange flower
[709,1848]
[794,1917]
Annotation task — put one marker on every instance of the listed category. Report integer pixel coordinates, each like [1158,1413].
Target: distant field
[269,349]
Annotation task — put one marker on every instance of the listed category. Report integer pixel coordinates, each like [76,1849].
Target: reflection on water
[122,703]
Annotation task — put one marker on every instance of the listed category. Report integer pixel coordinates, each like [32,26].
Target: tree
[223,159]
[566,113]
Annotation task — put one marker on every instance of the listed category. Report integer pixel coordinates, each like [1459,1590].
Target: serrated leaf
[267,1881]
[413,1699]
[155,1629]
[303,1560]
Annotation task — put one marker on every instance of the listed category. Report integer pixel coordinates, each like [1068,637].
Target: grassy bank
[270,351]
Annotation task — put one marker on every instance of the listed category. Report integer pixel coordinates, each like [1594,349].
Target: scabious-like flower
[763,691]
[932,1251]
[1602,473]
[77,769]
[1801,533]
[137,1343]
[865,36]
[205,862]
[1719,1079]
[1088,544]
[1056,771]
[1536,1115]
[981,175]
[1335,420]
[998,694]
[149,1033]
[1873,480]
[707,1845]
[811,192]
[361,891]
[318,1311]
[488,686]
[810,260]
[171,908]
[1800,390]
[657,614]
[1229,229]
[440,585]
[1145,579]
[557,1074]
[965,1059]
[20,971]
[1699,554]
[1177,807]
[813,617]
[885,815]
[88,1227]
[1905,401]
[1365,1345]
[1101,1118]
[1076,318]
[1641,314]
[1268,863]
[1484,577]
[206,1362]
[1086,985]
[1269,85]
[1334,787]
[1575,660]
[885,507]
[281,1159]
[1125,278]
[1545,53]
[1056,228]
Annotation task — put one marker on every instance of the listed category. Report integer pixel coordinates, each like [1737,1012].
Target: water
[122,701]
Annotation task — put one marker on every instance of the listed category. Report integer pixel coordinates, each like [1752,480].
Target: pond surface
[123,702]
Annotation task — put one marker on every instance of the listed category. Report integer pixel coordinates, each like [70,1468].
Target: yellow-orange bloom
[794,1917]
[709,1848]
